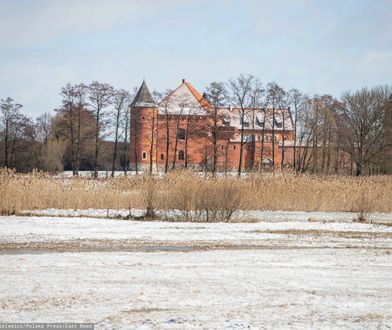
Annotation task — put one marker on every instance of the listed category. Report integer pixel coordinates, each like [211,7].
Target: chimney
[183,81]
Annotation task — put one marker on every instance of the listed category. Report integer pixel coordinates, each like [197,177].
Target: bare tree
[327,129]
[192,131]
[257,94]
[387,138]
[43,126]
[283,104]
[274,98]
[262,137]
[68,112]
[125,124]
[100,97]
[363,114]
[151,120]
[317,107]
[12,122]
[22,131]
[183,105]
[125,127]
[216,95]
[306,126]
[80,91]
[241,98]
[164,104]
[121,101]
[297,100]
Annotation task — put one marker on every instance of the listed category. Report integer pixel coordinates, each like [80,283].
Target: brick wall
[195,143]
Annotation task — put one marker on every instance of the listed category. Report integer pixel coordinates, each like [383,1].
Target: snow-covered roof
[256,118]
[184,100]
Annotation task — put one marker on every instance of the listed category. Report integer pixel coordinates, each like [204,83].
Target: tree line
[90,130]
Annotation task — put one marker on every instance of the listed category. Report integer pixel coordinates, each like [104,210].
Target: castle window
[162,156]
[181,155]
[222,146]
[144,155]
[234,147]
[181,134]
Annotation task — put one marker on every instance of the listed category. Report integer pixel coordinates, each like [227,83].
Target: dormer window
[245,121]
[260,120]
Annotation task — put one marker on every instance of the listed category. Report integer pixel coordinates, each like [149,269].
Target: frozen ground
[255,215]
[154,275]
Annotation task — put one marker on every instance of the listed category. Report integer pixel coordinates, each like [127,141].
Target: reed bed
[191,193]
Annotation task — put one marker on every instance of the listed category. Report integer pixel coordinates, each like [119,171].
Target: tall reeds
[195,195]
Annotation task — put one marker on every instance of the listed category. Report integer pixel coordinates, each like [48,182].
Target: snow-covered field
[240,216]
[153,275]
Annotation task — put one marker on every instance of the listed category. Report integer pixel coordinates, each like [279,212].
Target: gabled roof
[184,100]
[143,97]
[203,102]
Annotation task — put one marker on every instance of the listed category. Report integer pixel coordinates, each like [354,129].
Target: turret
[144,113]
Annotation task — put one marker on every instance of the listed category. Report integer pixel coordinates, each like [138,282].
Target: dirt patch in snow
[178,246]
[326,233]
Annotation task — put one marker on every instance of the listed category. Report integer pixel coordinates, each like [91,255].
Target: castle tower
[144,116]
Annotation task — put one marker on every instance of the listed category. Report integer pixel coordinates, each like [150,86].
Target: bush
[204,199]
[364,206]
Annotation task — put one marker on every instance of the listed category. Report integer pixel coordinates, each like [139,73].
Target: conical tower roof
[143,97]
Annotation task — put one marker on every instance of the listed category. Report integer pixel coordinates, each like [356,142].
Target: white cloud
[377,57]
[41,20]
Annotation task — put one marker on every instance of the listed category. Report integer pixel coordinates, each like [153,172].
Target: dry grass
[196,197]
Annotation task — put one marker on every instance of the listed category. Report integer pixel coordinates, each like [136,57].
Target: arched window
[162,156]
[181,155]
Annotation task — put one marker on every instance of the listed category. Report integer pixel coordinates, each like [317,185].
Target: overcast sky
[316,46]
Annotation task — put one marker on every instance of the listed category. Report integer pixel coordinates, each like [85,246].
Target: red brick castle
[177,133]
